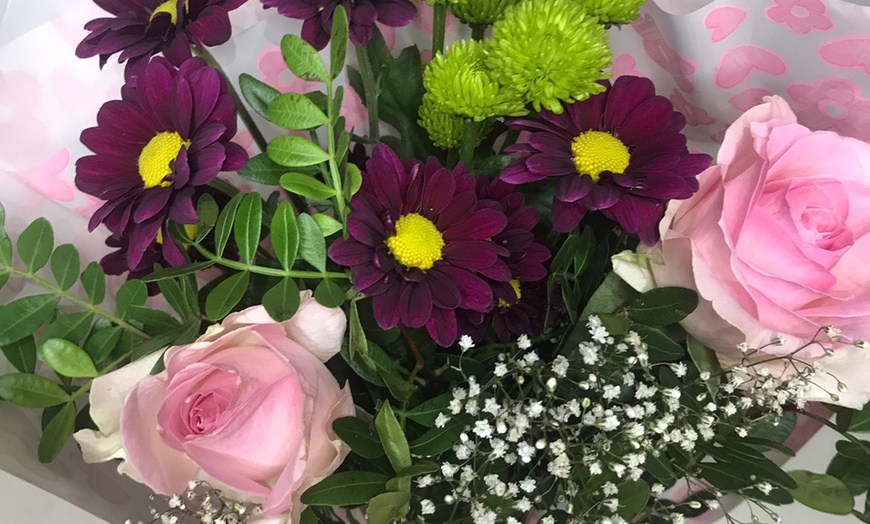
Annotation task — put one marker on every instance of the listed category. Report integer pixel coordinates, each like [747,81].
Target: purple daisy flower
[154,148]
[420,244]
[517,304]
[620,152]
[140,29]
[361,17]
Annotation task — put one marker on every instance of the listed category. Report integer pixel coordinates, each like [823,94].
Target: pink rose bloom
[777,244]
[248,406]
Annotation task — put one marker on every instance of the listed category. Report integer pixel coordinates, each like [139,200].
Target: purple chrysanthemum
[420,244]
[621,152]
[154,148]
[361,17]
[140,29]
[519,304]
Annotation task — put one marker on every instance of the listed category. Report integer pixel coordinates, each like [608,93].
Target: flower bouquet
[513,294]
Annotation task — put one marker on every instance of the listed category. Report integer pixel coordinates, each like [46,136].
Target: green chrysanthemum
[480,11]
[459,82]
[551,51]
[613,11]
[445,129]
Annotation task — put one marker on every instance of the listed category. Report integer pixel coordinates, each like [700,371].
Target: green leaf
[21,354]
[69,326]
[633,496]
[5,249]
[766,427]
[207,212]
[258,94]
[57,432]
[67,359]
[356,341]
[282,300]
[163,273]
[35,244]
[663,305]
[822,492]
[248,223]
[24,316]
[610,296]
[65,265]
[224,297]
[387,507]
[294,111]
[327,224]
[224,225]
[100,344]
[302,59]
[661,348]
[347,488]
[439,440]
[855,474]
[285,235]
[295,151]
[306,186]
[262,170]
[392,437]
[175,297]
[94,281]
[563,256]
[352,180]
[860,422]
[328,293]
[312,247]
[428,411]
[338,42]
[419,468]
[584,251]
[360,436]
[154,320]
[706,361]
[132,293]
[31,391]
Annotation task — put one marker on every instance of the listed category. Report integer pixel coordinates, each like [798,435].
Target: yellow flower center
[155,158]
[516,285]
[417,242]
[169,6]
[189,229]
[597,151]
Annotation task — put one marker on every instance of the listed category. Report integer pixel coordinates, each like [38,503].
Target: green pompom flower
[613,11]
[459,82]
[445,129]
[551,51]
[480,11]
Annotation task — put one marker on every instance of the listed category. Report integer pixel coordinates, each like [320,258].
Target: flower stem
[439,27]
[244,114]
[48,286]
[334,175]
[370,85]
[478,31]
[268,271]
[223,186]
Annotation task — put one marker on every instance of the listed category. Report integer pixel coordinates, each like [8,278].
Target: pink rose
[248,406]
[777,244]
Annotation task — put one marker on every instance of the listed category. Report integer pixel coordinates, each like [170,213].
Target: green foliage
[35,244]
[65,266]
[295,151]
[226,295]
[360,436]
[426,412]
[258,94]
[347,488]
[312,247]
[246,229]
[282,300]
[633,496]
[22,317]
[662,306]
[285,235]
[67,359]
[57,432]
[392,438]
[329,294]
[306,186]
[439,440]
[302,59]
[328,225]
[224,225]
[293,111]
[31,391]
[21,354]
[338,42]
[262,170]
[822,492]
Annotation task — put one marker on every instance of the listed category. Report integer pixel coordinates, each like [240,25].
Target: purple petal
[472,254]
[349,252]
[445,294]
[365,228]
[236,157]
[206,164]
[415,305]
[647,119]
[442,327]
[518,173]
[396,13]
[627,93]
[212,26]
[548,165]
[483,224]
[573,188]
[566,216]
[386,307]
[153,202]
[476,293]
[438,192]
